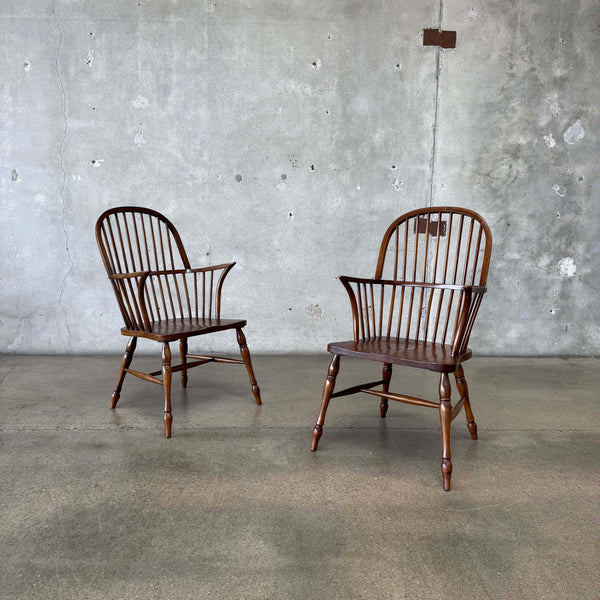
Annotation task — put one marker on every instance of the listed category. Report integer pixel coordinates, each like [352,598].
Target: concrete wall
[287,135]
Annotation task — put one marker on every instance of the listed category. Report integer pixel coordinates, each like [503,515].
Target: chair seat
[412,353]
[175,329]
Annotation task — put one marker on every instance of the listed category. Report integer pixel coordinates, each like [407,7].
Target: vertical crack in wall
[63,184]
[438,51]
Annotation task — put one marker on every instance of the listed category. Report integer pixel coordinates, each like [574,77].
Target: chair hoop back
[429,280]
[134,240]
[437,245]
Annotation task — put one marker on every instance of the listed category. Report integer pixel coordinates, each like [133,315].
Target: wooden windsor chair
[418,311]
[161,297]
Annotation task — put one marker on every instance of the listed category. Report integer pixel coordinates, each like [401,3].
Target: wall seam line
[435,109]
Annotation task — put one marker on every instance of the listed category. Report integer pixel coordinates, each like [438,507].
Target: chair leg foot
[334,367]
[166,375]
[383,408]
[167,419]
[445,419]
[241,338]
[463,390]
[472,427]
[317,433]
[446,473]
[256,394]
[125,363]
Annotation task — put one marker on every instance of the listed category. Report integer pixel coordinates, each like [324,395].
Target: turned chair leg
[334,367]
[183,350]
[241,338]
[463,390]
[125,362]
[166,375]
[387,376]
[445,419]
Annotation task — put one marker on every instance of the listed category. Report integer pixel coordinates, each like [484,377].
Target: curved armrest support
[473,295]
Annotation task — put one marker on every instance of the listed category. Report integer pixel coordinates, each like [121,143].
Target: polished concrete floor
[97,503]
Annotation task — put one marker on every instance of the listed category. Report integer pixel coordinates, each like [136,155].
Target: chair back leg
[445,419]
[125,363]
[387,376]
[328,388]
[166,378]
[463,390]
[241,338]
[183,350]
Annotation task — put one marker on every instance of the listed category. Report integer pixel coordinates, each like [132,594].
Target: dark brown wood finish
[418,311]
[161,297]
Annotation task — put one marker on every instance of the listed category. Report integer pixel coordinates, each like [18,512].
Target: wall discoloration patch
[139,140]
[575,133]
[567,267]
[314,311]
[140,103]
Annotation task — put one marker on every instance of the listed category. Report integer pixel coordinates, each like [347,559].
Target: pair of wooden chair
[417,311]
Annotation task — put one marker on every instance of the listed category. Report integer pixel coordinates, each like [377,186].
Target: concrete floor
[98,504]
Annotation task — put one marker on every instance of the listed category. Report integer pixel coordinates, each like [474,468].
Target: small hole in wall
[393,167]
[238,178]
[327,112]
[283,176]
[507,224]
[580,178]
[312,167]
[558,215]
[290,214]
[289,309]
[329,37]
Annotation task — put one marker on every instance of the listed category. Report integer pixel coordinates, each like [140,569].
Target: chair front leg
[334,368]
[445,419]
[463,390]
[387,376]
[241,338]
[166,377]
[125,363]
[183,350]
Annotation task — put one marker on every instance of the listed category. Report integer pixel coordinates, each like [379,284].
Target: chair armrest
[399,282]
[145,274]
